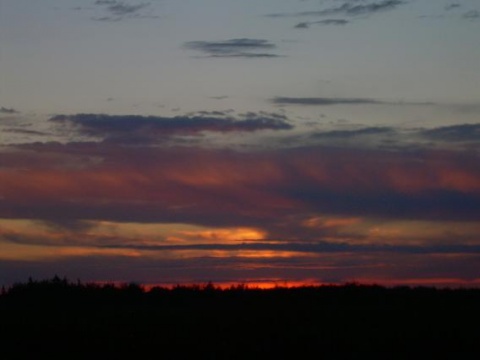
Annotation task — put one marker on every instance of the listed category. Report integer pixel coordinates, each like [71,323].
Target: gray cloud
[4,110]
[147,128]
[124,9]
[339,134]
[471,15]
[244,48]
[455,133]
[322,101]
[119,10]
[452,6]
[353,9]
[24,132]
[348,8]
[306,24]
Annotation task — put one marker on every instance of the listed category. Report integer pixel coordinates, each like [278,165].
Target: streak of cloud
[234,48]
[472,15]
[335,22]
[454,133]
[119,10]
[324,101]
[452,6]
[9,111]
[348,8]
[134,128]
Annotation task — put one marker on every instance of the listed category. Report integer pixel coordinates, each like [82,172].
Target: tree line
[75,319]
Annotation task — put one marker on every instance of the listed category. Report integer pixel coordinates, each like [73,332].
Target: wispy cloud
[452,6]
[323,101]
[148,128]
[471,15]
[234,48]
[5,110]
[455,133]
[348,8]
[343,134]
[354,9]
[306,24]
[119,10]
[24,131]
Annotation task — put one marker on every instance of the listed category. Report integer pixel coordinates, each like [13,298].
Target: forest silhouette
[76,320]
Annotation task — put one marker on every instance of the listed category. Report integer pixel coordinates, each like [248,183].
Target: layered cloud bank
[336,205]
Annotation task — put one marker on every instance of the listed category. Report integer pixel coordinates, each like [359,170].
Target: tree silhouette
[56,317]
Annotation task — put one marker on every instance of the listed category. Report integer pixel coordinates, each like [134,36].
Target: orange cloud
[226,235]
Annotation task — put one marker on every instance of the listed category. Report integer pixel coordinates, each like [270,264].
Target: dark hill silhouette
[75,320]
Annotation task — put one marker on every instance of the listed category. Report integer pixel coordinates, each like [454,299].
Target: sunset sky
[240,141]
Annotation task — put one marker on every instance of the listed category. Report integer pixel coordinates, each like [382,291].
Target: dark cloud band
[131,126]
[323,101]
[5,110]
[246,48]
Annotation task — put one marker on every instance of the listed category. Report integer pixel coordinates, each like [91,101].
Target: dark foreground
[54,317]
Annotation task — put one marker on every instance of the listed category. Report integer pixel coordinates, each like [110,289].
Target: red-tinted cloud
[224,187]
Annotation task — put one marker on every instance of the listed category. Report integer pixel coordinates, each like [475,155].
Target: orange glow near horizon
[263,284]
[267,284]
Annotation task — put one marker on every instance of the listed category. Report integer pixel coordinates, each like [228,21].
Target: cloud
[471,15]
[24,131]
[305,25]
[353,9]
[322,101]
[4,110]
[452,6]
[316,211]
[455,133]
[120,10]
[89,252]
[147,128]
[218,187]
[255,245]
[234,48]
[312,247]
[339,134]
[348,8]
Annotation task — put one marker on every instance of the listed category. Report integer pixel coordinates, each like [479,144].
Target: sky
[264,142]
